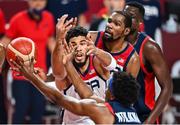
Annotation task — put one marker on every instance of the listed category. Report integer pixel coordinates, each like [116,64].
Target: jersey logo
[120,60]
[91,72]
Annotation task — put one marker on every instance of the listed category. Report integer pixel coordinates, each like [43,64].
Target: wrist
[68,64]
[97,51]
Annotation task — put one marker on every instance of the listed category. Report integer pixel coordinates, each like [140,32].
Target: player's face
[115,27]
[37,4]
[135,14]
[81,49]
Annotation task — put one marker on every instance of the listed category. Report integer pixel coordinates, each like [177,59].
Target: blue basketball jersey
[123,115]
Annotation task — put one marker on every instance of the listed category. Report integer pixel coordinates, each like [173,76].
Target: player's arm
[133,65]
[56,59]
[93,35]
[153,54]
[104,57]
[51,43]
[81,87]
[87,107]
[103,61]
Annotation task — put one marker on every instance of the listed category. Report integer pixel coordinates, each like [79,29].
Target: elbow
[168,89]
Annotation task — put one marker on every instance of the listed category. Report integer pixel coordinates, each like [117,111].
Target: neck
[115,46]
[133,37]
[83,68]
[36,17]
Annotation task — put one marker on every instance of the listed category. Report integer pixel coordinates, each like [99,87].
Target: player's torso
[123,115]
[146,78]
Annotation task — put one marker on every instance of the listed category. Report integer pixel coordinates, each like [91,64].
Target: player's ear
[127,31]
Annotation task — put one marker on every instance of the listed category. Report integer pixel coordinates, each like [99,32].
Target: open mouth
[108,32]
[79,56]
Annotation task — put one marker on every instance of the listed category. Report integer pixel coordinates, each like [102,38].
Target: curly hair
[75,32]
[125,88]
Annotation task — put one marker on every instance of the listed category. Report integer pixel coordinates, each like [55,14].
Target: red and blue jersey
[122,114]
[122,57]
[146,79]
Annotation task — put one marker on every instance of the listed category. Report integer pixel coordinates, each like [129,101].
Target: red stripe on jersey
[91,70]
[148,80]
[109,107]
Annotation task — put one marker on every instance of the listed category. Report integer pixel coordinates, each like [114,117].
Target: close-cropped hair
[75,32]
[137,5]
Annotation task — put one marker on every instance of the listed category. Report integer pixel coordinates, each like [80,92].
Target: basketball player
[92,64]
[153,65]
[123,90]
[113,41]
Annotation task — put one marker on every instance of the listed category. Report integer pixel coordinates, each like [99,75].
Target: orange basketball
[22,47]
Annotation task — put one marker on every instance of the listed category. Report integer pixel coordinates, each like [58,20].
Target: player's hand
[63,25]
[68,52]
[91,48]
[40,72]
[25,70]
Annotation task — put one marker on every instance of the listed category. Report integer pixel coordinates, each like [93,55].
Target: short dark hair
[125,88]
[75,32]
[128,19]
[137,5]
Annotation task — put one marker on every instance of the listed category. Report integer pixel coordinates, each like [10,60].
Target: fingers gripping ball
[21,48]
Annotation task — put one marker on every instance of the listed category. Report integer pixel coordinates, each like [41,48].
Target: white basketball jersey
[96,84]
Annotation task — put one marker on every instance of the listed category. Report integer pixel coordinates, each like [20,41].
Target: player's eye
[109,20]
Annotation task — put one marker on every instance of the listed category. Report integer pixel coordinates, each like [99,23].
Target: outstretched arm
[103,61]
[154,56]
[61,29]
[86,107]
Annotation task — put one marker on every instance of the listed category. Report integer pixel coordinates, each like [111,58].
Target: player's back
[122,114]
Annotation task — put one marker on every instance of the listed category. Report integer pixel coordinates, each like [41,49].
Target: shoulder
[17,17]
[151,49]
[151,46]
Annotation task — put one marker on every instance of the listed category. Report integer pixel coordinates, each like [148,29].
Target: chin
[81,63]
[107,37]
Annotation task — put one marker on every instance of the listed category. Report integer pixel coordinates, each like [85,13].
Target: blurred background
[161,22]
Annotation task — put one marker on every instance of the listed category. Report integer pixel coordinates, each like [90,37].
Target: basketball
[22,47]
